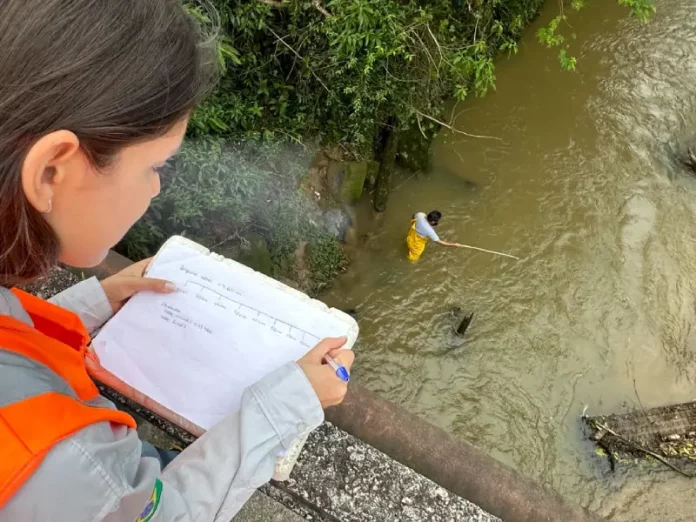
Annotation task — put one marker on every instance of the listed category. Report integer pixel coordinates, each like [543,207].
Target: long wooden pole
[489,251]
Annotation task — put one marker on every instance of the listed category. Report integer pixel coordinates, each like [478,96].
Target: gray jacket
[98,474]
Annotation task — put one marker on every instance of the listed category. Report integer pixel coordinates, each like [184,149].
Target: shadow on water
[586,187]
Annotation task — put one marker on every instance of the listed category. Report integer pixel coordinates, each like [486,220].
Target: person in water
[422,231]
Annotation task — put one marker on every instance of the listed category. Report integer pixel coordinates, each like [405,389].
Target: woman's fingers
[136,269]
[329,388]
[316,354]
[343,357]
[123,285]
[133,285]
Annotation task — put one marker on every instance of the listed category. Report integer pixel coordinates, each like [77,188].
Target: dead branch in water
[642,449]
[423,115]
[286,44]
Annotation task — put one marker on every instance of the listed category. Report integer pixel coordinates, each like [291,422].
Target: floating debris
[664,433]
[690,160]
[461,323]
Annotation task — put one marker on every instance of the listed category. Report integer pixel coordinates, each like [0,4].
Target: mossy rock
[257,255]
[337,222]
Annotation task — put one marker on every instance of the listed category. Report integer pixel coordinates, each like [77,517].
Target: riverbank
[357,84]
[288,211]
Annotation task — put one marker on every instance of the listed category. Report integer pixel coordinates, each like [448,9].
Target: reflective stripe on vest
[44,386]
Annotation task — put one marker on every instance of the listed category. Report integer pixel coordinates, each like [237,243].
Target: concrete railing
[454,464]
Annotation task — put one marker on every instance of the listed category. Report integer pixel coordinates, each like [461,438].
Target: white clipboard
[256,305]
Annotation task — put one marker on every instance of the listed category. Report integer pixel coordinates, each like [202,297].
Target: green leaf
[568,63]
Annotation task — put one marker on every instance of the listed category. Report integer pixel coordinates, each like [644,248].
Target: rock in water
[337,223]
[690,159]
[464,324]
[352,312]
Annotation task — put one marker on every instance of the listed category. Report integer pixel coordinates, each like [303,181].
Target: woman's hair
[434,217]
[114,72]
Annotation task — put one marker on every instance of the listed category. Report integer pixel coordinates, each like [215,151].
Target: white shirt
[423,228]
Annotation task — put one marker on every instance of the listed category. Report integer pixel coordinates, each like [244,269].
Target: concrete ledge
[452,463]
[345,479]
[337,478]
[262,508]
[113,263]
[56,281]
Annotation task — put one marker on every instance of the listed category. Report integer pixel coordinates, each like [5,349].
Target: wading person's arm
[448,244]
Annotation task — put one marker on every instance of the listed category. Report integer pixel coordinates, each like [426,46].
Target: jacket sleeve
[88,300]
[99,474]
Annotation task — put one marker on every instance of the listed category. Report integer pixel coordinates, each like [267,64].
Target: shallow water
[585,188]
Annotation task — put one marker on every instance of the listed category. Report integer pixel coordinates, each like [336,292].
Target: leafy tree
[551,35]
[298,68]
[343,69]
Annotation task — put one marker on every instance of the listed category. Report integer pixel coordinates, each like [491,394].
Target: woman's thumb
[317,353]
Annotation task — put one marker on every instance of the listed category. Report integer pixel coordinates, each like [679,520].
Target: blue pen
[341,371]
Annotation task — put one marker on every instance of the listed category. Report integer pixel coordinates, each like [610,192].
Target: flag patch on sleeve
[152,504]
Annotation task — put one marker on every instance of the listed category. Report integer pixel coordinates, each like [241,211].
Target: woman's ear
[46,166]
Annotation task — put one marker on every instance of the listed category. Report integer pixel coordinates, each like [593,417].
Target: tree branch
[436,42]
[321,8]
[424,47]
[420,128]
[280,5]
[453,129]
[286,44]
[273,3]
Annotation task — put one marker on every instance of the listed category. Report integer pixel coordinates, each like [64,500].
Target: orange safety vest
[30,427]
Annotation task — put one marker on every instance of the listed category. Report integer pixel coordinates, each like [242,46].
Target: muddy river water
[600,311]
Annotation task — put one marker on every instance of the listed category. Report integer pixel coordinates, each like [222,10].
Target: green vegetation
[334,72]
[551,36]
[342,70]
[226,195]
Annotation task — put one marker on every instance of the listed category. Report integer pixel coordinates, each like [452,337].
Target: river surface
[584,187]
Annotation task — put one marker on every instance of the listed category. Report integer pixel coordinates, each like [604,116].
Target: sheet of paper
[196,350]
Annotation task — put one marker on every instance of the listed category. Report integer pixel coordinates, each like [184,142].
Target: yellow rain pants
[415,243]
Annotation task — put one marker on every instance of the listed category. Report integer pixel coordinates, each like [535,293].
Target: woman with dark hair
[422,231]
[95,96]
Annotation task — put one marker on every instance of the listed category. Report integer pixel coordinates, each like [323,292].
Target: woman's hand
[128,282]
[328,387]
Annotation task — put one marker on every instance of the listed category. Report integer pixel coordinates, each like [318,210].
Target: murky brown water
[585,189]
